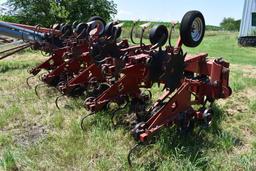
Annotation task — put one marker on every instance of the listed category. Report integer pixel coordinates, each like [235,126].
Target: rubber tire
[94,18]
[109,29]
[156,34]
[80,27]
[185,28]
[62,25]
[67,28]
[74,24]
[119,31]
[97,18]
[56,26]
[249,41]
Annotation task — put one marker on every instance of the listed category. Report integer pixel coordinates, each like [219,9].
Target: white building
[247,36]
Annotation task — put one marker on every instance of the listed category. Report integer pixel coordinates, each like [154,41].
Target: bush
[230,24]
[9,18]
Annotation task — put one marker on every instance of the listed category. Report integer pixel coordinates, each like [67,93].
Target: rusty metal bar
[14,50]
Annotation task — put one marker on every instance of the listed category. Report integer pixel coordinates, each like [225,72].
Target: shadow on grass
[171,147]
[189,151]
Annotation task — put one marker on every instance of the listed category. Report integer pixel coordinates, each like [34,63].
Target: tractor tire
[249,41]
[192,28]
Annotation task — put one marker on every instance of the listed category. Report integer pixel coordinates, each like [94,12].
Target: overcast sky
[169,10]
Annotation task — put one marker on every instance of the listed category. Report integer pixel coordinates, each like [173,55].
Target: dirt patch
[249,93]
[248,70]
[26,134]
[233,106]
[246,147]
[238,102]
[31,135]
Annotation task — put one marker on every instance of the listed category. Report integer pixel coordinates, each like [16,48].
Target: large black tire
[249,41]
[192,28]
[158,35]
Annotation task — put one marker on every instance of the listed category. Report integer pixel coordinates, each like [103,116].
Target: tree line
[48,12]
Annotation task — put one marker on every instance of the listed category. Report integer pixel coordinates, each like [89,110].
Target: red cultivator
[91,60]
[204,81]
[107,59]
[71,57]
[188,81]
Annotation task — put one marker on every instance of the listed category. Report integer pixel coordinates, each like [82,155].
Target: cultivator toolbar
[90,60]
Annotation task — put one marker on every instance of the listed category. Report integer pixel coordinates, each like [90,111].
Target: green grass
[226,46]
[35,135]
[12,110]
[217,44]
[8,161]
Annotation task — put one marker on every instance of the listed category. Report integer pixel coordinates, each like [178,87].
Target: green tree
[48,12]
[230,24]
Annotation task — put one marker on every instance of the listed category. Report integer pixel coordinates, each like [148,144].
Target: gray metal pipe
[10,26]
[20,33]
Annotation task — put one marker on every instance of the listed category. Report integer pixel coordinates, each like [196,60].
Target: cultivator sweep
[90,60]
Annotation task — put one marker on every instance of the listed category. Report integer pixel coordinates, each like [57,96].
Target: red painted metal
[75,60]
[6,53]
[109,67]
[36,28]
[53,62]
[128,85]
[182,101]
[82,80]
